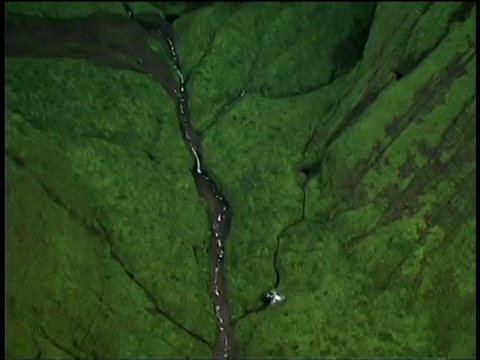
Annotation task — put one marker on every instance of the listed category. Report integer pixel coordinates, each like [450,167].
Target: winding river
[219,216]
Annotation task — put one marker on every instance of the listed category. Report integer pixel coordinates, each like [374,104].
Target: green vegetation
[382,264]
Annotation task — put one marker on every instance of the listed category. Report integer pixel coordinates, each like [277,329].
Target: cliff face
[342,134]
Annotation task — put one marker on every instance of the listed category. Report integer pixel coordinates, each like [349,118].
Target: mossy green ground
[382,263]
